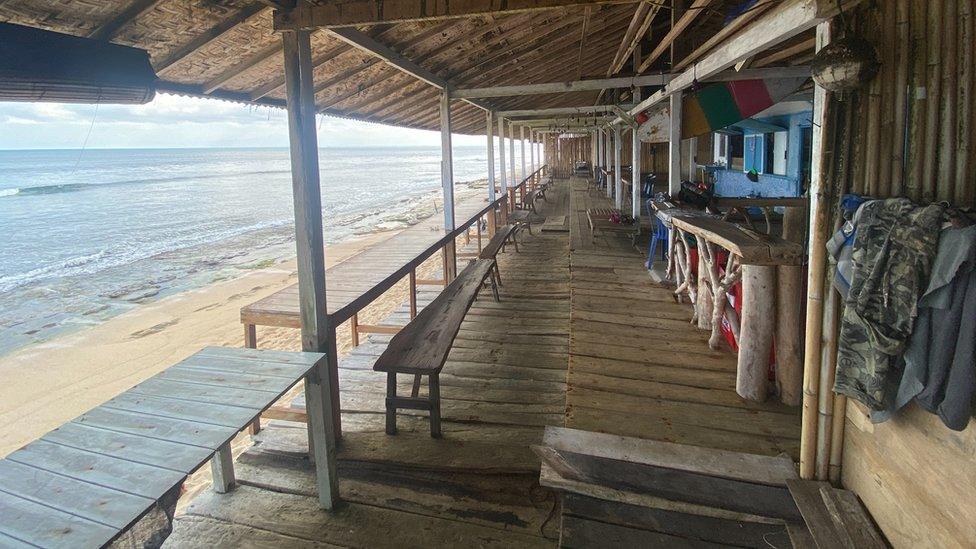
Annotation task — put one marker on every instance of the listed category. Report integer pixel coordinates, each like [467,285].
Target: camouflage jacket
[892,256]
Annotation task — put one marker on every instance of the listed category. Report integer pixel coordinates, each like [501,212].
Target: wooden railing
[497,213]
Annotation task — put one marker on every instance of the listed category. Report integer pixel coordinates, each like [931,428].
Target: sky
[173,121]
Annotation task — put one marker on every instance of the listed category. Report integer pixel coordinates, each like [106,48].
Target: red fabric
[750,96]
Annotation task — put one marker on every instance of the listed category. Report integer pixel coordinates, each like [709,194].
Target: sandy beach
[47,384]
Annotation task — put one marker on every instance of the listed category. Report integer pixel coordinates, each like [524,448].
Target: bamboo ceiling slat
[229,50]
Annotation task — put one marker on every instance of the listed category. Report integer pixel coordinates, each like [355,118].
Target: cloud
[176,121]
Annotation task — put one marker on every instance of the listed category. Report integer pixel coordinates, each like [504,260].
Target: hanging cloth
[892,256]
[939,365]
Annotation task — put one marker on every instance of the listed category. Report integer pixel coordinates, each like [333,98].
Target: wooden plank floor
[503,382]
[638,368]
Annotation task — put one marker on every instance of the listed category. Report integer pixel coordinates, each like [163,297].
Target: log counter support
[756,257]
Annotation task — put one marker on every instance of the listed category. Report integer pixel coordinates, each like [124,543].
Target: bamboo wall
[911,133]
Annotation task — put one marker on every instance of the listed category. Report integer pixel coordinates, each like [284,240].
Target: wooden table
[114,473]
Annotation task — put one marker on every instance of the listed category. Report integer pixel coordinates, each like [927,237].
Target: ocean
[87,235]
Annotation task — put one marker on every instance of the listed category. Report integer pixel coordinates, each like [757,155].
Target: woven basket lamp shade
[40,65]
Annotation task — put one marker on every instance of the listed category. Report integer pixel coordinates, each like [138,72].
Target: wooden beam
[686,19]
[354,13]
[630,41]
[785,53]
[366,43]
[555,111]
[240,68]
[318,335]
[562,87]
[674,146]
[726,31]
[110,29]
[209,36]
[780,23]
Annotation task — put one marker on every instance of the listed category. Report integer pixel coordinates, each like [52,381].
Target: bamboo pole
[900,107]
[828,363]
[966,125]
[947,103]
[917,101]
[819,227]
[933,79]
[887,80]
[872,142]
[837,440]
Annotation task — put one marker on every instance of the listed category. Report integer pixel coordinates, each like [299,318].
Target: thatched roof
[228,49]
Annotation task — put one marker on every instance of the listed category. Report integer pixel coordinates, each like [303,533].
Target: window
[736,149]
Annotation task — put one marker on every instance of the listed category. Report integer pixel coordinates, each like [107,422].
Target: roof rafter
[679,26]
[643,17]
[110,29]
[352,13]
[213,33]
[240,68]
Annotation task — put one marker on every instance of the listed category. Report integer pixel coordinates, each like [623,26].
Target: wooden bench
[497,243]
[113,475]
[422,346]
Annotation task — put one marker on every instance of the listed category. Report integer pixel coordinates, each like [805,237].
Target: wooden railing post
[477,225]
[354,328]
[413,293]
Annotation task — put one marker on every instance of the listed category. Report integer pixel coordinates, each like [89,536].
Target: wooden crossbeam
[563,87]
[111,28]
[352,13]
[209,36]
[786,53]
[726,31]
[680,25]
[780,23]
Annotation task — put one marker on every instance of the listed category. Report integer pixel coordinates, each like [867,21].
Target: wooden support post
[828,366]
[501,155]
[816,269]
[318,334]
[525,173]
[222,468]
[532,156]
[413,293]
[674,147]
[789,293]
[511,150]
[251,342]
[447,184]
[354,328]
[635,164]
[759,304]
[618,181]
[491,156]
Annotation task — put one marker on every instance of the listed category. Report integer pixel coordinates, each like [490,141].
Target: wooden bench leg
[391,388]
[222,467]
[435,405]
[415,391]
[494,287]
[498,274]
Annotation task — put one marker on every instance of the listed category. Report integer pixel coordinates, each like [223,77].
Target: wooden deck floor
[636,367]
[478,485]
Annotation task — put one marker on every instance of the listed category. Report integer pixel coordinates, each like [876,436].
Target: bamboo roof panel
[228,49]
